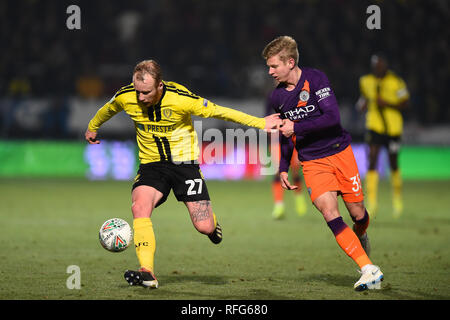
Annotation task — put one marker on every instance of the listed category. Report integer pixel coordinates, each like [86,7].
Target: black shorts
[186,180]
[392,143]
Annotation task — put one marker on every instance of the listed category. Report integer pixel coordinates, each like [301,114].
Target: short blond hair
[150,67]
[285,46]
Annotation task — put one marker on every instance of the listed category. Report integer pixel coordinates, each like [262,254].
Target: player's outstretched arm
[91,137]
[209,109]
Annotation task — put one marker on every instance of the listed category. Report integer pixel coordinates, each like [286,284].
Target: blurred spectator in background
[55,118]
[89,86]
[19,88]
[384,96]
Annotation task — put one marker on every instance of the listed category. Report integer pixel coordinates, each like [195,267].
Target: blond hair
[285,46]
[150,67]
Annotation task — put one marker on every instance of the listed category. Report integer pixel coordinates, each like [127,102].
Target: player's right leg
[346,238]
[277,190]
[371,277]
[144,200]
[322,180]
[327,204]
[396,179]
[149,190]
[278,210]
[361,219]
[299,195]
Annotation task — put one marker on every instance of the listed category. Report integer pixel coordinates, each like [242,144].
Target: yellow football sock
[396,181]
[372,190]
[144,242]
[300,203]
[215,220]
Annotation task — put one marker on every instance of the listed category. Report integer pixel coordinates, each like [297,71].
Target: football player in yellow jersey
[383,95]
[168,153]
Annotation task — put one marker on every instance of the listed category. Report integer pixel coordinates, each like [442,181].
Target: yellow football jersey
[392,89]
[164,132]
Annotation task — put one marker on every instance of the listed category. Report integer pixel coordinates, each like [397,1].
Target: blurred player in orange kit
[279,208]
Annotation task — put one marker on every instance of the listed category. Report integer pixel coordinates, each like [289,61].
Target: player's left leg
[372,179]
[371,275]
[327,204]
[360,218]
[278,198]
[351,189]
[202,216]
[300,198]
[204,219]
[396,179]
[189,186]
[352,193]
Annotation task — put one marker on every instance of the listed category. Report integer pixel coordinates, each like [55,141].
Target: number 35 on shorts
[356,181]
[195,186]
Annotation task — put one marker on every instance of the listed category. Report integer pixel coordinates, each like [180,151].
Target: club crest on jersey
[304,96]
[167,112]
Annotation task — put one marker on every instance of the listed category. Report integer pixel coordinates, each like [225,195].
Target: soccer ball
[115,235]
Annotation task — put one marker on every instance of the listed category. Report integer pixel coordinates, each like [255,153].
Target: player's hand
[273,122]
[287,129]
[285,181]
[91,137]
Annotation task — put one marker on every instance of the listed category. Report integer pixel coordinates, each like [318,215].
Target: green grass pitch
[48,225]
